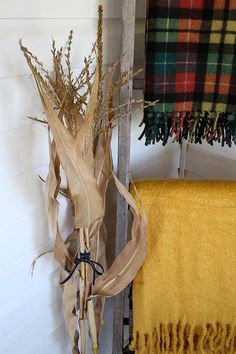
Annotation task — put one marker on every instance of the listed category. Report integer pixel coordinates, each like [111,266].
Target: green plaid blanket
[191,69]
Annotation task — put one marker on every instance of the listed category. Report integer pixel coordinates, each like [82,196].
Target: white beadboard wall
[31,318]
[210,162]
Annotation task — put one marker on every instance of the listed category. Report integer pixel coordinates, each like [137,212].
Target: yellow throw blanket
[184,297]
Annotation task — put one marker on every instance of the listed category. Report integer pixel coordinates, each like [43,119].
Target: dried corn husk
[70,312]
[79,115]
[52,188]
[76,157]
[128,262]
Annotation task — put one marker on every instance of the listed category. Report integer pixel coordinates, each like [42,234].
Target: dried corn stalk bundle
[80,113]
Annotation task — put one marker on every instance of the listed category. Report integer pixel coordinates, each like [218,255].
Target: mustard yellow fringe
[185,338]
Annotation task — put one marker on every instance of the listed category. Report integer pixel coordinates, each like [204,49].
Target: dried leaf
[73,244]
[52,188]
[82,184]
[98,312]
[103,161]
[82,329]
[102,171]
[92,326]
[130,259]
[84,136]
[70,311]
[48,248]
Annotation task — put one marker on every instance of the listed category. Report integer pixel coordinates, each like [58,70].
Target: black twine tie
[84,258]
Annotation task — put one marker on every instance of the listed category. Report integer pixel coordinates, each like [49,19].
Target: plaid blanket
[191,69]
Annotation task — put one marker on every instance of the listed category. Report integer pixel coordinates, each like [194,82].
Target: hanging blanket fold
[184,296]
[191,69]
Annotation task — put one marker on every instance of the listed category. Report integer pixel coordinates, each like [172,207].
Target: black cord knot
[84,257]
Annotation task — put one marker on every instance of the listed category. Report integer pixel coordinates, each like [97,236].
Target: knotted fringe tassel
[192,126]
[179,338]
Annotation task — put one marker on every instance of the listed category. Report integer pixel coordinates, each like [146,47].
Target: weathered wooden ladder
[128,32]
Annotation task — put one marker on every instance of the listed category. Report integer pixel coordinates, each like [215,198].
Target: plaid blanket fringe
[191,126]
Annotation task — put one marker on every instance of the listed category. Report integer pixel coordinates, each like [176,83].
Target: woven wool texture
[191,55]
[184,296]
[190,63]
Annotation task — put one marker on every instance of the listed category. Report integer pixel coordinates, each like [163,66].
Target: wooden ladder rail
[128,32]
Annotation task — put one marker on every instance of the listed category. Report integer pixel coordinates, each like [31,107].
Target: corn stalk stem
[90,306]
[82,282]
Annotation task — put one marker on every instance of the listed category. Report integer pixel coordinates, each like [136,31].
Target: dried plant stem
[35,119]
[89,305]
[82,281]
[100,57]
[87,282]
[82,327]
